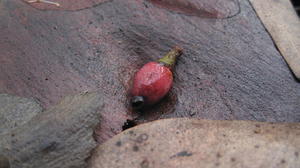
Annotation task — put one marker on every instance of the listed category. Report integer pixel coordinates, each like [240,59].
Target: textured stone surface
[230,68]
[16,111]
[4,163]
[283,24]
[62,136]
[195,143]
[67,5]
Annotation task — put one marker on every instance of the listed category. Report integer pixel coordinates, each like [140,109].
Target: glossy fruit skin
[152,82]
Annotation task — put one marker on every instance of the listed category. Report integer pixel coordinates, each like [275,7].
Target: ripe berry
[153,81]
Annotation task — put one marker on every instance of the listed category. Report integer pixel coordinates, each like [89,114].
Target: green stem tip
[170,58]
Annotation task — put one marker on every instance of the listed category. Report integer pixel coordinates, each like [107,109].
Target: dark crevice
[128,124]
[296,4]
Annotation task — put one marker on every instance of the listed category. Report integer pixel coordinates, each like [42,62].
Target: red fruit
[153,81]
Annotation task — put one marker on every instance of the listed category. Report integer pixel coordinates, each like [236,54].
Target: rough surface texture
[4,162]
[195,143]
[230,68]
[59,137]
[283,24]
[16,111]
[66,5]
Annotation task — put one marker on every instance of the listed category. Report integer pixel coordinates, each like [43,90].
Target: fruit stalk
[169,59]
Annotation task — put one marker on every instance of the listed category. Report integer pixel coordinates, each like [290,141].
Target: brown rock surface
[283,24]
[4,163]
[67,5]
[230,68]
[195,143]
